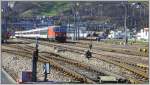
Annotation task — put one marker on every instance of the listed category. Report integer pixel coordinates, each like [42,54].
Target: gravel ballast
[16,64]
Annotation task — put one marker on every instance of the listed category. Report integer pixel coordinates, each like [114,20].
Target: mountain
[34,8]
[99,11]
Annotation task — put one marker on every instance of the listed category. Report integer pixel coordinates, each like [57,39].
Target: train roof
[37,29]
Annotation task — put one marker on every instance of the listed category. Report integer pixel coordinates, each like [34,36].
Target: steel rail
[65,70]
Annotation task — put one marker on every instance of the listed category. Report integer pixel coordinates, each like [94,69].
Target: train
[51,33]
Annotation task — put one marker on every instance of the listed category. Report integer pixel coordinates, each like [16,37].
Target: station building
[143,34]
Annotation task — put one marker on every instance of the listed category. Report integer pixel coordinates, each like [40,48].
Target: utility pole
[77,15]
[34,62]
[74,26]
[92,26]
[125,25]
[74,29]
[125,22]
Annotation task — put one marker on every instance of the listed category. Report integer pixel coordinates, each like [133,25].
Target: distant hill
[34,8]
[104,11]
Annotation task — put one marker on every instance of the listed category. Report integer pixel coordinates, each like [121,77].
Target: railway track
[114,58]
[140,73]
[71,62]
[117,50]
[77,67]
[134,47]
[88,68]
[127,60]
[130,61]
[130,51]
[57,66]
[60,59]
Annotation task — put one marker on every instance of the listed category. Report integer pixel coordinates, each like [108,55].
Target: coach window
[36,32]
[43,32]
[31,33]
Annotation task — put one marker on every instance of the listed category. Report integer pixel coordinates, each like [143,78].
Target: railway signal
[88,54]
[46,68]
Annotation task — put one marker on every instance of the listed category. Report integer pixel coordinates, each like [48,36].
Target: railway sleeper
[79,65]
[145,68]
[72,73]
[60,50]
[65,73]
[140,77]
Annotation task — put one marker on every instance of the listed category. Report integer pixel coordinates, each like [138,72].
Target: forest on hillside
[94,11]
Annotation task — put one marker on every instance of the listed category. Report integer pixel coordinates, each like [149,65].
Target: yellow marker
[145,50]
